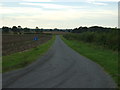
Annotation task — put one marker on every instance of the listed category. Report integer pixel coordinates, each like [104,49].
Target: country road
[60,67]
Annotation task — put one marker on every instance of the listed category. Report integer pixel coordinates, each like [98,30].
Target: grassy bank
[108,40]
[0,64]
[22,59]
[106,58]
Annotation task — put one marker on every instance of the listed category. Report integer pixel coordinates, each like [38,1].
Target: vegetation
[22,59]
[20,30]
[0,64]
[107,40]
[101,47]
[100,44]
[12,43]
[93,29]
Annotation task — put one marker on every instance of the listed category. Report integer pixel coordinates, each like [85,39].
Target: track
[61,67]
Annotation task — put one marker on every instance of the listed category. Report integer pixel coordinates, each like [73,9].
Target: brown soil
[19,43]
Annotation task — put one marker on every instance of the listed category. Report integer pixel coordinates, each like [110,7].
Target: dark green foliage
[20,30]
[92,29]
[107,40]
[27,30]
[5,29]
[15,29]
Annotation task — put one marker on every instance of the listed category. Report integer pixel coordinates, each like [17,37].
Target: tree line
[93,29]
[20,30]
[105,37]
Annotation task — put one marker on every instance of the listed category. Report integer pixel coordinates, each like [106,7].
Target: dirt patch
[18,43]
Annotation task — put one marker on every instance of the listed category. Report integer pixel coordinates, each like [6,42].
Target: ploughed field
[18,43]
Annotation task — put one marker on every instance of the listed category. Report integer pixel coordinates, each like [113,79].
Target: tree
[14,29]
[20,29]
[26,30]
[5,29]
[41,30]
[37,30]
[55,29]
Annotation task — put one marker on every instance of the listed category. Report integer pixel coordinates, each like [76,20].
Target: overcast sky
[58,13]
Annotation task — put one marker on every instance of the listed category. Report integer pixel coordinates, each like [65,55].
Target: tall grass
[106,58]
[107,40]
[101,47]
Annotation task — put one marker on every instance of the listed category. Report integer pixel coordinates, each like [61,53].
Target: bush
[108,40]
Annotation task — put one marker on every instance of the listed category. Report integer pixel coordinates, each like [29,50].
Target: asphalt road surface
[60,67]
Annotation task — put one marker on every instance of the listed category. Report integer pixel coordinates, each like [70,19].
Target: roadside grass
[0,64]
[104,57]
[22,59]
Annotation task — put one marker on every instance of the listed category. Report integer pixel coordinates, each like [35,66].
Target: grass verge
[106,58]
[22,59]
[0,64]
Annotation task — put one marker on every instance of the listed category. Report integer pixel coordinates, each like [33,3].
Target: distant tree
[55,29]
[20,29]
[51,30]
[14,29]
[91,29]
[5,29]
[68,30]
[26,30]
[37,30]
[41,30]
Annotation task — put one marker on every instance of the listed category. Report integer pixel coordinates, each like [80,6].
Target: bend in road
[64,68]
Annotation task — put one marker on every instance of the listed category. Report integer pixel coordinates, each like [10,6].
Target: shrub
[108,40]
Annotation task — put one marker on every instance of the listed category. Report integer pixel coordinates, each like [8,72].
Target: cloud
[19,10]
[102,0]
[39,14]
[96,2]
[44,5]
[38,0]
[35,13]
[71,0]
[53,6]
[64,19]
[59,0]
[99,3]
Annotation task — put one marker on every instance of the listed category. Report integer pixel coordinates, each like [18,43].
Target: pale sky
[58,13]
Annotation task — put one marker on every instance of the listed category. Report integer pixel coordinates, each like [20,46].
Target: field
[17,43]
[21,50]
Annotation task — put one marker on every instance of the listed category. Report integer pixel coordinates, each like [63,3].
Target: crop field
[18,43]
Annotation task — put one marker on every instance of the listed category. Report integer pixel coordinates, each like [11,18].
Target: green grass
[22,59]
[0,64]
[106,58]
